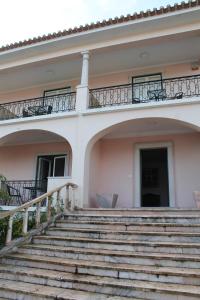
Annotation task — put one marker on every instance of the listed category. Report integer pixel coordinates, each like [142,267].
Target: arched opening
[152,162]
[32,162]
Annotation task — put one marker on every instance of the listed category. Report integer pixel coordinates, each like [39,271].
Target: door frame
[65,165]
[67,160]
[137,170]
[39,166]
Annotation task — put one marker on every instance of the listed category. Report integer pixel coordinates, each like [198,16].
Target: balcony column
[85,68]
[82,90]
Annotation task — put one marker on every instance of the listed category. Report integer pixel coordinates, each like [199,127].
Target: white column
[85,68]
[82,90]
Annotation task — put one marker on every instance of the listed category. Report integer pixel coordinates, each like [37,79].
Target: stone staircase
[109,254]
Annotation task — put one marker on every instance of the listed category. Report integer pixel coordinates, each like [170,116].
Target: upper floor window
[57,92]
[145,85]
[59,99]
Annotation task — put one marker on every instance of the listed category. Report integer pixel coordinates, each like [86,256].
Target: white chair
[104,202]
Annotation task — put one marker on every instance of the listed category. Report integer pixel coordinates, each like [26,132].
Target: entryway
[154,177]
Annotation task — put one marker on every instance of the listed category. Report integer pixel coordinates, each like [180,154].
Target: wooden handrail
[69,203]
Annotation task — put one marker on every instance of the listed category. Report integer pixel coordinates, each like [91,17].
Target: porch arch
[35,158]
[190,127]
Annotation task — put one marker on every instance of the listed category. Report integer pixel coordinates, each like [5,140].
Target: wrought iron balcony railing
[21,191]
[159,90]
[38,106]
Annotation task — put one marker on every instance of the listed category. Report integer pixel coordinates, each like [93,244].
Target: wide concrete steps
[146,254]
[104,286]
[113,270]
[122,245]
[193,218]
[127,257]
[139,211]
[18,290]
[128,226]
[131,235]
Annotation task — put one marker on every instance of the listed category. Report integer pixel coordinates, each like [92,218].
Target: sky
[24,19]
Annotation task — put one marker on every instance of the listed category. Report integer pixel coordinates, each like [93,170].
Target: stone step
[19,290]
[96,284]
[161,218]
[139,211]
[158,227]
[173,275]
[122,245]
[125,235]
[127,257]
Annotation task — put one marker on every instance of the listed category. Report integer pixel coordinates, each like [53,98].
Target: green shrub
[18,225]
[4,196]
[3,231]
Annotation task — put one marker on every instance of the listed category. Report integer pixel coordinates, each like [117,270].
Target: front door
[154,177]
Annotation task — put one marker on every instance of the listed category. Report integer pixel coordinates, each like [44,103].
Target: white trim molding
[137,176]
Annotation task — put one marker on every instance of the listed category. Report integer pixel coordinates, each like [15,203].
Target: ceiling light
[144,55]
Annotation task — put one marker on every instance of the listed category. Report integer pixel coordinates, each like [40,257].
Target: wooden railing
[60,205]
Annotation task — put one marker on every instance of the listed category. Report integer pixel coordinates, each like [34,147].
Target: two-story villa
[112,106]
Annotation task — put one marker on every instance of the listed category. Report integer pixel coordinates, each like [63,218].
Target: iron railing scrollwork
[159,90]
[22,191]
[38,106]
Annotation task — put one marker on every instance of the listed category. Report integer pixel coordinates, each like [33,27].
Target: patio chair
[157,95]
[26,113]
[14,195]
[104,202]
[178,95]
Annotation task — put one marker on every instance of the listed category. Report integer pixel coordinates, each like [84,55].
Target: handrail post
[37,216]
[49,199]
[9,231]
[71,197]
[25,222]
[58,204]
[67,203]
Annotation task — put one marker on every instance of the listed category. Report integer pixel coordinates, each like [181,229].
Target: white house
[113,107]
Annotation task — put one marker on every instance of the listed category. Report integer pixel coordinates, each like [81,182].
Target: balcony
[38,106]
[146,92]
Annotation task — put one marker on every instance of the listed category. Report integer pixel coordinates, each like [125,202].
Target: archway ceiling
[145,127]
[30,137]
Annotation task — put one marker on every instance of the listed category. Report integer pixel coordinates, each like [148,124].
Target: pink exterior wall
[122,77]
[36,91]
[19,162]
[115,161]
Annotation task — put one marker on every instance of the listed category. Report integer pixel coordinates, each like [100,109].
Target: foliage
[4,196]
[2,178]
[3,230]
[18,219]
[18,225]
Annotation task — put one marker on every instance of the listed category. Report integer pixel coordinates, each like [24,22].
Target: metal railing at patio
[22,191]
[144,92]
[38,106]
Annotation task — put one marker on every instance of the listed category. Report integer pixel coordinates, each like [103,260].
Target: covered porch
[32,162]
[148,163]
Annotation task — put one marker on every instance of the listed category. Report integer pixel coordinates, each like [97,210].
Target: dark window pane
[59,168]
